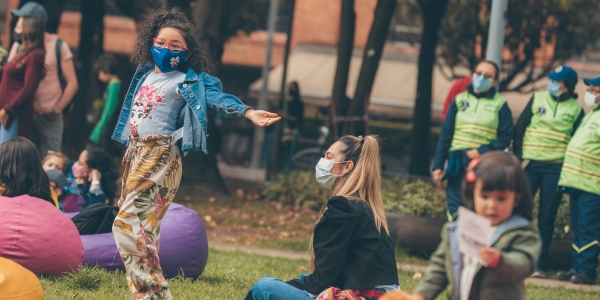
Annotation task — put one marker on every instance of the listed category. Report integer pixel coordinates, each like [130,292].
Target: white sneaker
[538,274]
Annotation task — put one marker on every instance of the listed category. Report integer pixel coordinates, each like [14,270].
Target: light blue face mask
[554,88]
[323,172]
[481,84]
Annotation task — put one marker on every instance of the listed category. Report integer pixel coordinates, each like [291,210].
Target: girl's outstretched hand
[491,256]
[401,295]
[261,118]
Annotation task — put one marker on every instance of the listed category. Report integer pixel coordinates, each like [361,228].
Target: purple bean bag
[36,235]
[183,245]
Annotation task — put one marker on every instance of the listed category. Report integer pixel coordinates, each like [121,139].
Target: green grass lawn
[229,275]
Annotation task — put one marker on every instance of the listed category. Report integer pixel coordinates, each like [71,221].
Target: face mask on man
[481,84]
[590,100]
[323,172]
[165,60]
[554,88]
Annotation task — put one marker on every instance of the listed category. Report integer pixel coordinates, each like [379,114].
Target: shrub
[401,195]
[298,188]
[414,197]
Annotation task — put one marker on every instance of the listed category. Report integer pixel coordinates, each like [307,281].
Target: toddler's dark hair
[21,171]
[198,57]
[499,171]
[107,63]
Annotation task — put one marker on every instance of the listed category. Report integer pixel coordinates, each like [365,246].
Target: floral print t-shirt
[157,105]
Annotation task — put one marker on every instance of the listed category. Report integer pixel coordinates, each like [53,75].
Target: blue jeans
[6,135]
[544,176]
[585,220]
[268,288]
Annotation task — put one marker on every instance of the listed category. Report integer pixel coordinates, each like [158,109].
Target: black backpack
[96,218]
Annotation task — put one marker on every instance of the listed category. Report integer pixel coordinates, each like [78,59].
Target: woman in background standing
[20,79]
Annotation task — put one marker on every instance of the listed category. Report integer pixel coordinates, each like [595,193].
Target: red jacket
[458,87]
[18,86]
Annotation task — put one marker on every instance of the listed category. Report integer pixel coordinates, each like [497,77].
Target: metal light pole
[259,132]
[495,43]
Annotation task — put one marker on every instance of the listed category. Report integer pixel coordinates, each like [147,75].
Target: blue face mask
[554,88]
[481,84]
[165,60]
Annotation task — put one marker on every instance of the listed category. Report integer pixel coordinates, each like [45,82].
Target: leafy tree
[217,21]
[565,27]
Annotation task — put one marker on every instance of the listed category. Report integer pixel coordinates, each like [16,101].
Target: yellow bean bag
[18,283]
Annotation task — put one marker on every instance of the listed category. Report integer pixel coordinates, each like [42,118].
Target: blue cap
[31,9]
[58,177]
[564,73]
[592,81]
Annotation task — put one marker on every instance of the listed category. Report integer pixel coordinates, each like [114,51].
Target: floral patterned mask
[165,60]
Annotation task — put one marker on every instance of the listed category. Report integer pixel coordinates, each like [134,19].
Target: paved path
[406,267]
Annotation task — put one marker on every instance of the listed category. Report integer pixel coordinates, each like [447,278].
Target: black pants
[453,193]
[544,177]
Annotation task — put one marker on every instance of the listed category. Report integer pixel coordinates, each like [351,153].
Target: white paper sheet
[474,231]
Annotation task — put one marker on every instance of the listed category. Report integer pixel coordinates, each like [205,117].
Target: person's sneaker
[566,276]
[583,278]
[539,274]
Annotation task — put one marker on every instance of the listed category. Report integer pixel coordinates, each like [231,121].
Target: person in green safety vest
[580,178]
[477,121]
[541,136]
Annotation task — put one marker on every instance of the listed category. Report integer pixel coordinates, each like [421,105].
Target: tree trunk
[90,47]
[421,131]
[209,17]
[371,57]
[344,53]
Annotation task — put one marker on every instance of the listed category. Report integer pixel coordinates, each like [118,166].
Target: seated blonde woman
[352,250]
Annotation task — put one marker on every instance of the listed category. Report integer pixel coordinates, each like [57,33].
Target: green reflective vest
[581,167]
[476,121]
[551,127]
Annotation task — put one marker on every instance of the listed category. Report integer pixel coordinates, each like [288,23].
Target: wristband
[96,182]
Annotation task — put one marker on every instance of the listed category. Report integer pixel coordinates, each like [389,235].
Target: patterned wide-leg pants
[150,182]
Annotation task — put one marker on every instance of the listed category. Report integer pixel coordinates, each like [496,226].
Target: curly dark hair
[153,21]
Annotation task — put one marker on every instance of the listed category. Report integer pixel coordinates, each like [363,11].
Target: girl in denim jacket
[168,100]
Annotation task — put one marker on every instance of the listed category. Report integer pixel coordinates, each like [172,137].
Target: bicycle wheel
[306,159]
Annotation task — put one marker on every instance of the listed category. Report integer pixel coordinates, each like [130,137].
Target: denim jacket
[201,92]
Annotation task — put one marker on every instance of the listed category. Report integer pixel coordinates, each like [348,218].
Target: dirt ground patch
[245,217]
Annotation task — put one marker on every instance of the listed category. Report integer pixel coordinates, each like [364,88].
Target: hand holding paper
[490,256]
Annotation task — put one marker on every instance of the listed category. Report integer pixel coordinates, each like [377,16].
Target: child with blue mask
[164,115]
[478,121]
[540,140]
